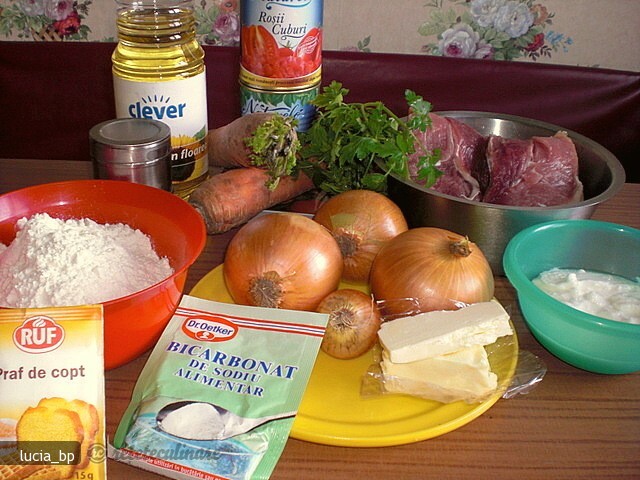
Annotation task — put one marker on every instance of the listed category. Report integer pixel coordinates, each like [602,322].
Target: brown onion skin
[354,321]
[362,221]
[418,264]
[299,252]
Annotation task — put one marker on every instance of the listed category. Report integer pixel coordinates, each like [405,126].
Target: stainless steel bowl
[492,226]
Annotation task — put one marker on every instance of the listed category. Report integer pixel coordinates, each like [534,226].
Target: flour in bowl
[54,262]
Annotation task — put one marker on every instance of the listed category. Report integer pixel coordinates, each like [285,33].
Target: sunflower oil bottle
[159,74]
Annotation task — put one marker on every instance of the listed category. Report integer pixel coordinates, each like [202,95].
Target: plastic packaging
[463,375]
[218,395]
[159,74]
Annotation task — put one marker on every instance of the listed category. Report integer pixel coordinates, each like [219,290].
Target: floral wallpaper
[218,22]
[45,20]
[554,31]
[57,20]
[495,29]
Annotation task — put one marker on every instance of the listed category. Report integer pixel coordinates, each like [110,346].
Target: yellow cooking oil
[159,73]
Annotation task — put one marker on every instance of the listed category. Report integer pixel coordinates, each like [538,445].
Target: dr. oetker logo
[39,334]
[212,329]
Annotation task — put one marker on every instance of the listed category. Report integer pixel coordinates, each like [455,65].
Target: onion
[282,260]
[354,321]
[438,268]
[361,221]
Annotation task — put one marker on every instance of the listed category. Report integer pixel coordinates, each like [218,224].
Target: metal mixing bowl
[492,226]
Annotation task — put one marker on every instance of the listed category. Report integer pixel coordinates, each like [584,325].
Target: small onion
[354,321]
[282,260]
[361,221]
[438,268]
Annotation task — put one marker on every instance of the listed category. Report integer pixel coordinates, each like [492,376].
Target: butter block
[431,334]
[462,375]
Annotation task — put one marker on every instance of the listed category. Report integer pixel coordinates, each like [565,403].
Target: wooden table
[573,425]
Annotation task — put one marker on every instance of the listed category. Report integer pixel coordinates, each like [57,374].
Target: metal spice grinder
[132,149]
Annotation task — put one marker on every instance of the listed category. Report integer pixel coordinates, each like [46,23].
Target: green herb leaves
[340,149]
[274,146]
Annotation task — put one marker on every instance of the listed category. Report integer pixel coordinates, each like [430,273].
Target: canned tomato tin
[288,103]
[281,43]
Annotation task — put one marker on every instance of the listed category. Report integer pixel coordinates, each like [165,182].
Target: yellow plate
[333,412]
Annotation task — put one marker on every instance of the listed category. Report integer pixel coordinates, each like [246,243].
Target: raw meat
[461,156]
[538,172]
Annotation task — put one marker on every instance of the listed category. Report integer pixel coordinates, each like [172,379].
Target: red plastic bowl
[133,323]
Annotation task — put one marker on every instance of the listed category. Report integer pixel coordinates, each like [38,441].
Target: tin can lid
[129,140]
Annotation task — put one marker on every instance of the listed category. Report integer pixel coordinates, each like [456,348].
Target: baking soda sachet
[52,422]
[220,391]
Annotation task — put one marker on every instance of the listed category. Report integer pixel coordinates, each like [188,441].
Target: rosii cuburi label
[281,39]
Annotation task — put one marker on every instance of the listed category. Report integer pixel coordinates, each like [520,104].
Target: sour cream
[607,296]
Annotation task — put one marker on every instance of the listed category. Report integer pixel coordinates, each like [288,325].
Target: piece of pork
[537,172]
[461,156]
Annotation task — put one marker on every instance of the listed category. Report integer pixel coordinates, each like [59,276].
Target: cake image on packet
[52,420]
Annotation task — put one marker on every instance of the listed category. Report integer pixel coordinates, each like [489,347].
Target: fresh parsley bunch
[340,149]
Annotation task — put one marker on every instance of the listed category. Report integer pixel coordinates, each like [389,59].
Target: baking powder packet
[52,422]
[219,393]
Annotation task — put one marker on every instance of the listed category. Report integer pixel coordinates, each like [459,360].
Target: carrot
[227,144]
[264,140]
[233,197]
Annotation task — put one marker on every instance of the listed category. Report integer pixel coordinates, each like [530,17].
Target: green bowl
[583,340]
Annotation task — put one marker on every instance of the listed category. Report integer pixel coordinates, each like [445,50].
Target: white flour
[54,262]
